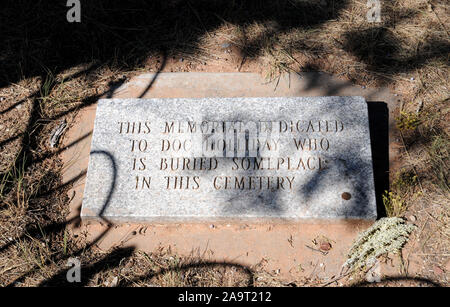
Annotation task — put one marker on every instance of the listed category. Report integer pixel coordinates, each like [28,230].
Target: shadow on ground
[123,34]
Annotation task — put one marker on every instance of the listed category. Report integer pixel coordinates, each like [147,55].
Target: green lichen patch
[387,235]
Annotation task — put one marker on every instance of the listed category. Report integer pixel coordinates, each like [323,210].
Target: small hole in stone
[346,195]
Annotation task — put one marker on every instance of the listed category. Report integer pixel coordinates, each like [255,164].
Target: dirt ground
[292,249]
[52,70]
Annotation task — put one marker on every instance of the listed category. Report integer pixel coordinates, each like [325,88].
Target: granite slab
[208,159]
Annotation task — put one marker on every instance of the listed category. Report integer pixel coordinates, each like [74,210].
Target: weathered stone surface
[331,180]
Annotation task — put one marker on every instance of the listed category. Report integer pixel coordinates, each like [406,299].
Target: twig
[437,16]
[341,275]
[199,19]
[314,270]
[317,250]
[436,254]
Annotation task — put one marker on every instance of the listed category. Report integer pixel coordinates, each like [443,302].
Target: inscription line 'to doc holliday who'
[230,158]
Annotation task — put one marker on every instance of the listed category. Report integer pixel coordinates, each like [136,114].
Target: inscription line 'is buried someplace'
[230,158]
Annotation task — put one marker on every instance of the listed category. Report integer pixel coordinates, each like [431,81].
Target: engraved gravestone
[230,158]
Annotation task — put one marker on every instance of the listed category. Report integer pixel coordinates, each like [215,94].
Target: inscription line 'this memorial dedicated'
[293,126]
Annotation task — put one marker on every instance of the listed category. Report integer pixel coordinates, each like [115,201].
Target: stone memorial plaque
[230,159]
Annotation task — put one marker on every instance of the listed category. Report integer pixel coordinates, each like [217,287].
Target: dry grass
[53,68]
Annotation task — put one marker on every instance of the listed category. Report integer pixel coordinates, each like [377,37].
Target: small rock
[212,226]
[225,45]
[438,271]
[325,246]
[412,218]
[419,106]
[114,282]
[181,59]
[57,132]
[374,273]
